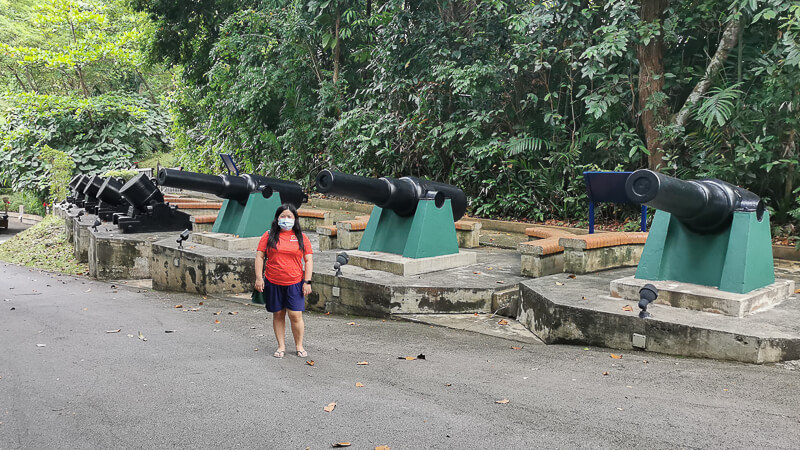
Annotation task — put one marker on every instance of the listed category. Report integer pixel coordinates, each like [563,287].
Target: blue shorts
[284,297]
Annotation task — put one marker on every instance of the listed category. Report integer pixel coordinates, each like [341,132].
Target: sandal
[302,353]
[279,354]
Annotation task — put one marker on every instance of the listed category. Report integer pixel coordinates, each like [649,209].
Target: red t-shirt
[285,262]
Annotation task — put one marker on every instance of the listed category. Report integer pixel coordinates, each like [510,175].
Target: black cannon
[148,211]
[400,195]
[77,198]
[90,193]
[110,201]
[704,206]
[705,232]
[232,187]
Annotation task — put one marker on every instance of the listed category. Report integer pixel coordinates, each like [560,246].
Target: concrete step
[488,324]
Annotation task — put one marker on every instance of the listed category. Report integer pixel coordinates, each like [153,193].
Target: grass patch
[43,246]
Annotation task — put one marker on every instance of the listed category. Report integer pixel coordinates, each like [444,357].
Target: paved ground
[65,382]
[14,227]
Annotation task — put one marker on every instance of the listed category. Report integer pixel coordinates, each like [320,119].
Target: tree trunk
[651,81]
[336,49]
[789,151]
[728,41]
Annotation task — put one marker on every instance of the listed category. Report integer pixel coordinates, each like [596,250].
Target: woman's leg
[298,328]
[279,326]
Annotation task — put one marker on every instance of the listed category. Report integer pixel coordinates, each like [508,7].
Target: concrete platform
[225,241]
[705,298]
[201,269]
[115,255]
[489,284]
[559,309]
[80,235]
[400,265]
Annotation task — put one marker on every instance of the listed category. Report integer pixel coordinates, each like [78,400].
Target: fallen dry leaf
[572,276]
[449,384]
[217,313]
[362,363]
[169,331]
[502,322]
[310,362]
[201,303]
[476,314]
[41,345]
[407,358]
[233,313]
[616,356]
[558,283]
[382,447]
[179,306]
[216,321]
[141,336]
[330,407]
[605,374]
[351,323]
[503,401]
[797,291]
[515,348]
[113,331]
[359,385]
[627,308]
[420,356]
[341,444]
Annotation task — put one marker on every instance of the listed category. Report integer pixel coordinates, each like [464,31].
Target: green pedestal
[429,232]
[250,219]
[738,259]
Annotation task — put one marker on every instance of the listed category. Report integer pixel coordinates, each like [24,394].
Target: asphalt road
[65,382]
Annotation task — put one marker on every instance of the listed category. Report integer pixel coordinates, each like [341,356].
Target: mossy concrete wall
[117,256]
[201,269]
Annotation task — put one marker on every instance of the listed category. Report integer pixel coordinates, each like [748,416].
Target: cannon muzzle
[232,187]
[109,191]
[93,185]
[140,192]
[704,206]
[401,195]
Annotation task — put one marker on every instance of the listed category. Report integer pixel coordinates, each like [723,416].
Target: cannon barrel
[401,195]
[140,192]
[233,187]
[704,206]
[93,185]
[81,185]
[73,183]
[109,191]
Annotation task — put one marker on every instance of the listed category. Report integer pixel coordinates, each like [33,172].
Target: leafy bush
[98,133]
[31,201]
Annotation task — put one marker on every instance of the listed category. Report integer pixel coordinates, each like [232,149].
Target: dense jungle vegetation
[509,100]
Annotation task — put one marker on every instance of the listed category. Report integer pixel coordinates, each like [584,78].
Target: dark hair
[275,230]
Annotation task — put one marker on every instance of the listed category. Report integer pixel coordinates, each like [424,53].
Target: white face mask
[285,223]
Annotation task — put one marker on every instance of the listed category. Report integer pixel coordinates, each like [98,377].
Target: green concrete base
[400,265]
[429,232]
[737,259]
[251,219]
[224,241]
[704,298]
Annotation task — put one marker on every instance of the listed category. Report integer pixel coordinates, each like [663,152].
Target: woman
[286,281]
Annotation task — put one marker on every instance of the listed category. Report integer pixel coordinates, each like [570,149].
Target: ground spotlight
[341,260]
[647,294]
[182,237]
[96,224]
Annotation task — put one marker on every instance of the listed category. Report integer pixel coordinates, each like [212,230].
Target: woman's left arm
[309,258]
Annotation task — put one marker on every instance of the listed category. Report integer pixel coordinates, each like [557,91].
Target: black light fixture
[96,224]
[341,260]
[647,294]
[182,237]
[80,213]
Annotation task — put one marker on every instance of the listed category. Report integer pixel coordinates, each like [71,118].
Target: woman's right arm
[260,271]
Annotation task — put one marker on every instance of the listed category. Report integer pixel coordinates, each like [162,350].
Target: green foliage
[122,174]
[31,201]
[43,246]
[99,133]
[60,168]
[510,100]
